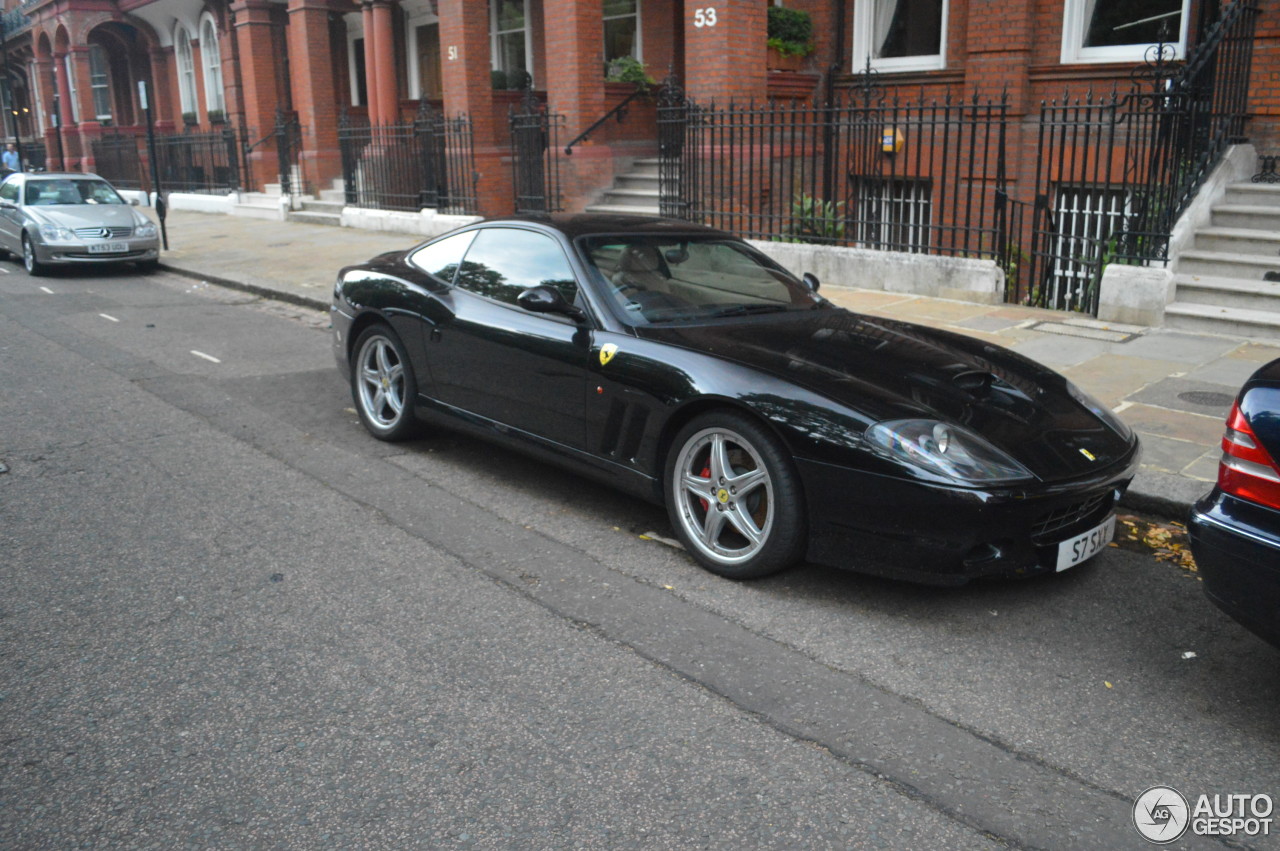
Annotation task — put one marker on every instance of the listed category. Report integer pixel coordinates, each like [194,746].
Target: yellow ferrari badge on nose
[1086,453]
[607,351]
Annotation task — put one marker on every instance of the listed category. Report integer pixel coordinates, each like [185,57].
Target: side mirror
[545,299]
[810,281]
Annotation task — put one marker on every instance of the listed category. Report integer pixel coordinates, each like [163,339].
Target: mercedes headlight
[945,450]
[1100,411]
[53,233]
[145,231]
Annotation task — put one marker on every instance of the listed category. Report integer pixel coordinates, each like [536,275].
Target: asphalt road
[229,618]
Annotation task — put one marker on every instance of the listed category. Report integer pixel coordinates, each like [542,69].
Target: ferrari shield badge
[607,351]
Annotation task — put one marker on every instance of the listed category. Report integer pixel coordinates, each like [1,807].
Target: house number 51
[704,17]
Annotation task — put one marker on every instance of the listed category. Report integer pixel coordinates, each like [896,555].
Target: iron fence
[429,162]
[206,163]
[535,145]
[864,171]
[119,158]
[1114,174]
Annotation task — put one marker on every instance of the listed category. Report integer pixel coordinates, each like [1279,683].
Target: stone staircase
[1222,284]
[323,210]
[634,193]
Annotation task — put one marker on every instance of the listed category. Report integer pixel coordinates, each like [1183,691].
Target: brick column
[726,51]
[372,104]
[575,77]
[89,127]
[66,120]
[315,95]
[384,64]
[468,88]
[258,73]
[47,86]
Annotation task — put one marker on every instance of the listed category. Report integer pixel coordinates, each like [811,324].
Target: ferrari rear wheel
[383,385]
[734,497]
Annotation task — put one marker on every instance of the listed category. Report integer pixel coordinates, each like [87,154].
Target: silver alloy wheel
[724,495]
[28,254]
[381,382]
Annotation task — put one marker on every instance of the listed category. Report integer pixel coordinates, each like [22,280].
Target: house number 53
[704,17]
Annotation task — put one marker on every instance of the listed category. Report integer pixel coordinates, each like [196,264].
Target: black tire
[760,494]
[146,267]
[383,384]
[33,265]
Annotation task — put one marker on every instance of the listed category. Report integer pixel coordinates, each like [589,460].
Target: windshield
[45,193]
[654,279]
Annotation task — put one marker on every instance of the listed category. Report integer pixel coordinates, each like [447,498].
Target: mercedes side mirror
[810,281]
[545,299]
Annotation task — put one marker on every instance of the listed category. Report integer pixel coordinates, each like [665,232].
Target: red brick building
[234,70]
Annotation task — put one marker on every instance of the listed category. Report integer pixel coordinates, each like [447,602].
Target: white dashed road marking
[206,357]
[46,289]
[105,316]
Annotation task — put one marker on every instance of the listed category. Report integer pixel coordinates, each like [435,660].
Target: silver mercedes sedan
[65,218]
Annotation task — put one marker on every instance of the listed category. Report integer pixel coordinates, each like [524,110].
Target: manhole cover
[1207,398]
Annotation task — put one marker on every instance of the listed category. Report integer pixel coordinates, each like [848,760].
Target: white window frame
[494,33]
[1075,28]
[355,32]
[37,98]
[904,206]
[186,76]
[864,32]
[211,58]
[71,88]
[104,84]
[639,54]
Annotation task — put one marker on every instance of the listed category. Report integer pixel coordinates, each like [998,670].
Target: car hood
[888,370]
[85,215]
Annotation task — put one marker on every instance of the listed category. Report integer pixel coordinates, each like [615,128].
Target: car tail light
[1247,469]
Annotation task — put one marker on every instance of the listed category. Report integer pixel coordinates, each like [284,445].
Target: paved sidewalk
[1173,388]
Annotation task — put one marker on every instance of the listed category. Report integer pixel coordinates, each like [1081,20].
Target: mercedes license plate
[1084,547]
[108,247]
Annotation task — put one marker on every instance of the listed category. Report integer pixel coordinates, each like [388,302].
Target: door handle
[434,336]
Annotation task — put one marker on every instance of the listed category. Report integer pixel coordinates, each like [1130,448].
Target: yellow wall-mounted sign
[892,140]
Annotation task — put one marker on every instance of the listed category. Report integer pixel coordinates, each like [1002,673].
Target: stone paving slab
[1140,378]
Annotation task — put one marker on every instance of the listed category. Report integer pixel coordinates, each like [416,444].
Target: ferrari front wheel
[734,497]
[383,384]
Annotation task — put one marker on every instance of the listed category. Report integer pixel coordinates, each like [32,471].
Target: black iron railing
[206,163]
[119,158]
[1114,174]
[535,134]
[618,113]
[428,163]
[917,176]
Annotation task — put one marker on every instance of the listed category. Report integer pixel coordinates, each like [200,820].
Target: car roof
[61,175]
[574,225]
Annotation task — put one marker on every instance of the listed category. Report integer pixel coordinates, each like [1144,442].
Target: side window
[441,258]
[9,192]
[504,262]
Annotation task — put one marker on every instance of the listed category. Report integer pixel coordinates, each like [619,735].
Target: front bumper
[1236,545]
[78,252]
[948,535]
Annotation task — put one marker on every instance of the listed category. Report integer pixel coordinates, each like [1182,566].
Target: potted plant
[217,116]
[790,38]
[627,69]
[190,119]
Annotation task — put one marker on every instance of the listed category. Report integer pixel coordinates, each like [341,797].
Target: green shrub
[790,31]
[815,220]
[627,69]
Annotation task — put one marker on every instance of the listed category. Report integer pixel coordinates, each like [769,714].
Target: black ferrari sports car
[680,364]
[1235,528]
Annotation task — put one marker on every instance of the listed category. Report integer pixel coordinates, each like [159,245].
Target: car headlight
[944,449]
[145,231]
[53,233]
[1100,411]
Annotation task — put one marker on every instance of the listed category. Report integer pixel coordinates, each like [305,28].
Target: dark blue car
[1235,529]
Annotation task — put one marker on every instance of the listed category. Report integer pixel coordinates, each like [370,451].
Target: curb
[1163,495]
[261,290]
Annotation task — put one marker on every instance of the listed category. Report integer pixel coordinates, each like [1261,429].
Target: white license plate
[108,247]
[1084,547]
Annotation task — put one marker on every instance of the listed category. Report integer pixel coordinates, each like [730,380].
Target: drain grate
[1092,331]
[1207,398]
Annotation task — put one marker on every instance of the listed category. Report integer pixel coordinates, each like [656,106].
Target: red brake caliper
[706,473]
